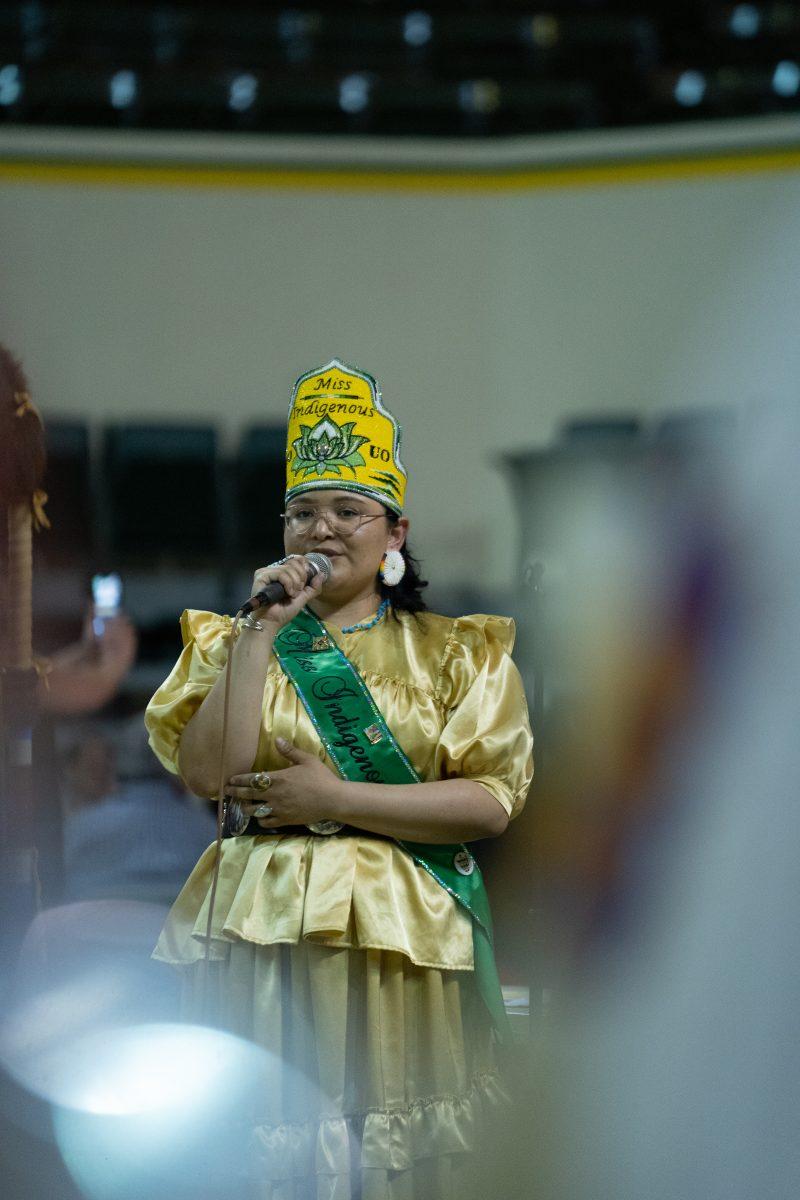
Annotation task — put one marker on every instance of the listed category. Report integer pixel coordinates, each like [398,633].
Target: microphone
[318,564]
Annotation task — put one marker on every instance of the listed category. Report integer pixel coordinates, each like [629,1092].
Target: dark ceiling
[463,69]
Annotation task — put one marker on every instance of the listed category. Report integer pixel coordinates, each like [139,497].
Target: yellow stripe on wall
[369,178]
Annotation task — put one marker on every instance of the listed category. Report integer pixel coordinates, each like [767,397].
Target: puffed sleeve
[487,735]
[204,655]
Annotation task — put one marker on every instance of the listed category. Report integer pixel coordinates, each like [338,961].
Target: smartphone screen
[107,597]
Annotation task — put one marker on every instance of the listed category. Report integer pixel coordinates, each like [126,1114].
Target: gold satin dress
[340,955]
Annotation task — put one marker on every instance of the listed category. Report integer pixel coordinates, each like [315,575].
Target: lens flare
[154,1111]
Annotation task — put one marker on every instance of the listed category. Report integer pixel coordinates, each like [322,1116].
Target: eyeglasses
[343,519]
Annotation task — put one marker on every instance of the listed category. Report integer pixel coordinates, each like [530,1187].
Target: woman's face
[355,557]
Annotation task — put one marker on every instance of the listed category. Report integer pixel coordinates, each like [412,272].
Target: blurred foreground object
[79,678]
[668,831]
[626,526]
[136,1110]
[22,461]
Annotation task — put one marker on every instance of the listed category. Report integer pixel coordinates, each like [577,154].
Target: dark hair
[406,596]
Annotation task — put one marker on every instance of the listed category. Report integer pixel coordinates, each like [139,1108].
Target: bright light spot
[786,80]
[690,88]
[166,1112]
[354,93]
[122,88]
[544,30]
[35,1036]
[150,1072]
[243,91]
[745,20]
[417,28]
[10,84]
[479,95]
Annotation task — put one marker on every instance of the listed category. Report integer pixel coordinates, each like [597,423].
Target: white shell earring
[392,568]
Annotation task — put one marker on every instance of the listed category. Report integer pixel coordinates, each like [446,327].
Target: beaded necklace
[368,624]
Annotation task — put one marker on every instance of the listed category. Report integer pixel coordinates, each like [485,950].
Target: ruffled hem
[353,893]
[381,1079]
[377,1140]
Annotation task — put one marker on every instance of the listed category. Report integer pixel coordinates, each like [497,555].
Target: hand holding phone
[107,598]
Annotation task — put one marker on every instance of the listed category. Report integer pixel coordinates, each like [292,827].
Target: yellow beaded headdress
[341,436]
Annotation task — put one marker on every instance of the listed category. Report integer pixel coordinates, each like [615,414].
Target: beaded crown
[341,436]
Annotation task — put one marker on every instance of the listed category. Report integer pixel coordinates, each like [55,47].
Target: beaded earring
[392,568]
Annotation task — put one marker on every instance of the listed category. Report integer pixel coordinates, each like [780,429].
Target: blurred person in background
[130,834]
[349,931]
[77,680]
[84,676]
[131,838]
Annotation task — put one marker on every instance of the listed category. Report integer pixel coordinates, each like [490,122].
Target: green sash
[363,749]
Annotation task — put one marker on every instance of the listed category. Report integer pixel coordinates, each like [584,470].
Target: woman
[351,957]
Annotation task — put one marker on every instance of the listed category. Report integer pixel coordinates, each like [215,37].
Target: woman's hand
[86,675]
[441,812]
[292,573]
[301,794]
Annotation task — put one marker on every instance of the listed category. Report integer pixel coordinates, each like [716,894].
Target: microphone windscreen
[322,563]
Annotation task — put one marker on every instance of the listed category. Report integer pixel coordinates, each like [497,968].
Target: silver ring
[263,810]
[261,781]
